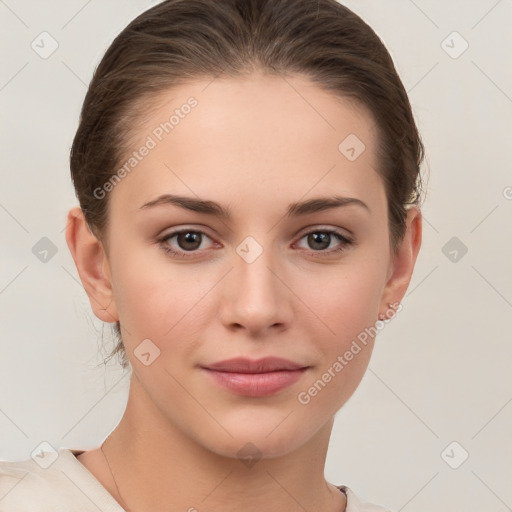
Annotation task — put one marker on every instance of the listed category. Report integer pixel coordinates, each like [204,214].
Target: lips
[255,378]
[265,365]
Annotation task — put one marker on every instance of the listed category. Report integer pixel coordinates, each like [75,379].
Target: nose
[255,297]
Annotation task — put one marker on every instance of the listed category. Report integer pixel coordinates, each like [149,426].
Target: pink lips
[256,378]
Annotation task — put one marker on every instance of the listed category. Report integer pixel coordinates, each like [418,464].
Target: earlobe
[404,259]
[92,265]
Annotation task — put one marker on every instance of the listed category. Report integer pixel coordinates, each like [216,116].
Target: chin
[259,440]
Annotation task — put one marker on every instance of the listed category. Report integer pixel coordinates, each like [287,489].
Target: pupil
[319,238]
[185,239]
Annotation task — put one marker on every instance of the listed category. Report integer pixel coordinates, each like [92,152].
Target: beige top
[61,483]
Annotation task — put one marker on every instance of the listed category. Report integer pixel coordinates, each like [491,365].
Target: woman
[248,173]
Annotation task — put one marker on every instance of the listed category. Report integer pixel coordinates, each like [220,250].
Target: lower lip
[256,384]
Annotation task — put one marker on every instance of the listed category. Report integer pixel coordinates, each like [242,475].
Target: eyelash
[346,242]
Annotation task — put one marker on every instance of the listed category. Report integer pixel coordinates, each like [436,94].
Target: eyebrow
[294,209]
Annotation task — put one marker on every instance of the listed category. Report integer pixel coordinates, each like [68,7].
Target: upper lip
[264,365]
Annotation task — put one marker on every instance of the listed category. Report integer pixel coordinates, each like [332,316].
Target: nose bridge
[252,263]
[255,298]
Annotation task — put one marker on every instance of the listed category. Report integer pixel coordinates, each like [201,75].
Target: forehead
[250,136]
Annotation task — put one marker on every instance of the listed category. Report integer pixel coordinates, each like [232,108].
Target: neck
[157,466]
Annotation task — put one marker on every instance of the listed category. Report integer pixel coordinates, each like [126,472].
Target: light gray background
[440,371]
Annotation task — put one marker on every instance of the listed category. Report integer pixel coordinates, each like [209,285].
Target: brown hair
[178,41]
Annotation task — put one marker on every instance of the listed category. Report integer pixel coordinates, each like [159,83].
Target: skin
[254,145]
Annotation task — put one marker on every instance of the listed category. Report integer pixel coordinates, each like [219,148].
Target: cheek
[344,301]
[162,302]
[344,348]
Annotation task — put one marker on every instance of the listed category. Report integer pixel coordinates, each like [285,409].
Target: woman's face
[284,273]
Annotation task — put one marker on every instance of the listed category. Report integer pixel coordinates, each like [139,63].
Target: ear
[92,264]
[403,261]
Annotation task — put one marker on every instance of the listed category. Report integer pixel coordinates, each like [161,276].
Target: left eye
[320,240]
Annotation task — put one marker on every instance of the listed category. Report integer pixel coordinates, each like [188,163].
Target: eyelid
[314,228]
[200,228]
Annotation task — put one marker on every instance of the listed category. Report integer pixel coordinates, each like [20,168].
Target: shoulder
[52,481]
[356,504]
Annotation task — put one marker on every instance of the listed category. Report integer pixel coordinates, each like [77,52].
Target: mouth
[255,378]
